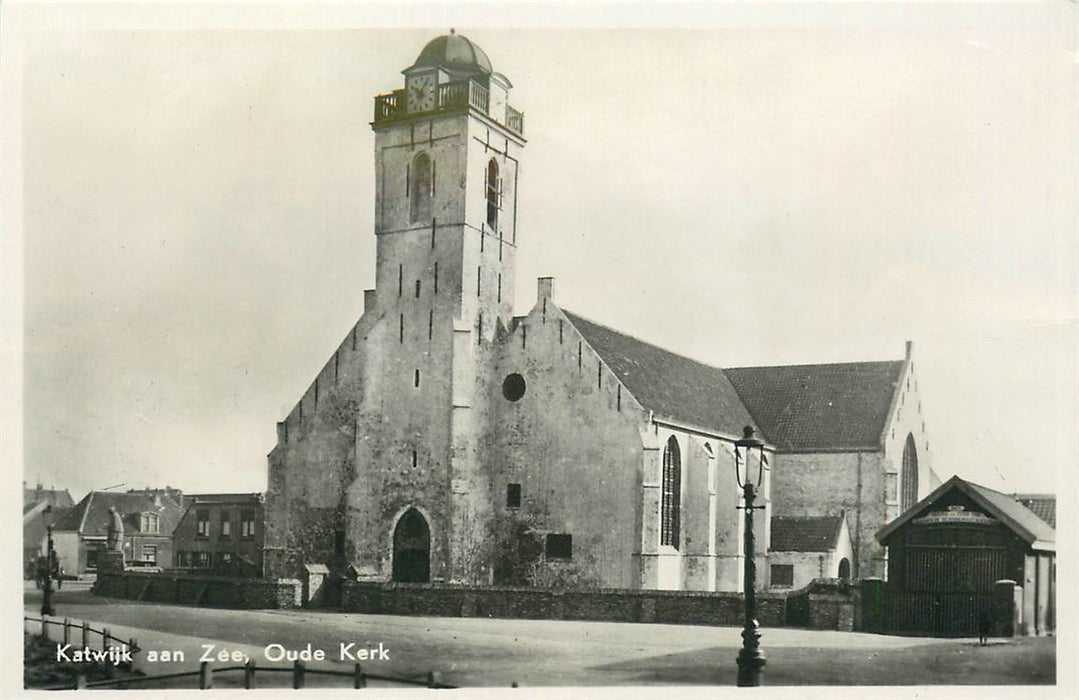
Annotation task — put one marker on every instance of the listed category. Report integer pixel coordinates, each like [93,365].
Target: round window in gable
[513,388]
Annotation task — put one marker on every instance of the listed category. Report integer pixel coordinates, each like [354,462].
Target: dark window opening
[416,379]
[559,332]
[513,495]
[783,575]
[247,524]
[513,387]
[559,546]
[436,278]
[909,476]
[400,279]
[417,289]
[202,523]
[671,505]
[618,400]
[500,287]
[430,324]
[401,330]
[844,568]
[479,280]
[415,459]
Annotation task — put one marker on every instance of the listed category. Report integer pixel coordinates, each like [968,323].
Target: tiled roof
[91,515]
[808,534]
[57,498]
[1003,507]
[669,385]
[819,407]
[1040,504]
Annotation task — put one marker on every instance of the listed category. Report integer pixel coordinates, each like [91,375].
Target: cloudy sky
[776,186]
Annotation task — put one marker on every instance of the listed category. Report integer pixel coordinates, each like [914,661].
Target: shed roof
[1025,524]
[820,407]
[806,534]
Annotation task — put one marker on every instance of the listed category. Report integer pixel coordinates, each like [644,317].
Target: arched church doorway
[412,548]
[844,568]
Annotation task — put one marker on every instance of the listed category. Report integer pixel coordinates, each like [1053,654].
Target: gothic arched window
[494,194]
[420,188]
[671,505]
[909,476]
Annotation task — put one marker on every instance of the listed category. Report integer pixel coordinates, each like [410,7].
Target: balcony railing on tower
[462,93]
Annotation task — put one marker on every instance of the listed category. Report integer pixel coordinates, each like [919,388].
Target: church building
[448,440]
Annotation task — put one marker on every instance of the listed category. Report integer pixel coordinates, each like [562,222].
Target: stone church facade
[448,440]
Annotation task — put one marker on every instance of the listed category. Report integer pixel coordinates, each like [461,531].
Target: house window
[671,505]
[183,559]
[91,557]
[420,189]
[559,546]
[226,524]
[202,560]
[844,568]
[202,523]
[783,575]
[149,523]
[513,495]
[247,524]
[224,559]
[494,194]
[149,554]
[909,478]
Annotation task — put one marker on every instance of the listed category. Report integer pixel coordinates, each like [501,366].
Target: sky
[785,185]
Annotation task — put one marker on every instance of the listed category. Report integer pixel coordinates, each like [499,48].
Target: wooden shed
[947,553]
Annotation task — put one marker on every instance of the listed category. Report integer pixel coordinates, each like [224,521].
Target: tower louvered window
[420,188]
[671,505]
[494,194]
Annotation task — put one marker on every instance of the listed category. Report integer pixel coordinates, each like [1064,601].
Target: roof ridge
[818,364]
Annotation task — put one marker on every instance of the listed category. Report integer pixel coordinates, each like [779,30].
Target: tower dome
[455,53]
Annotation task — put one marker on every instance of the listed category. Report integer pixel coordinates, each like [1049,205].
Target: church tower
[447,146]
[377,470]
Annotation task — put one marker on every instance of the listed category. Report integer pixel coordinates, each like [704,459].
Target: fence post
[249,674]
[206,676]
[67,631]
[433,679]
[358,679]
[297,674]
[44,626]
[85,634]
[105,639]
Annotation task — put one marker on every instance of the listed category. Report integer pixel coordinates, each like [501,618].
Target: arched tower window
[420,188]
[909,477]
[671,505]
[494,194]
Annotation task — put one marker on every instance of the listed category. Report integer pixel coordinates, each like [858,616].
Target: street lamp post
[750,658]
[50,555]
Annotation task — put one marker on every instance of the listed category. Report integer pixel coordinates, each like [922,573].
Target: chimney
[544,288]
[368,300]
[910,348]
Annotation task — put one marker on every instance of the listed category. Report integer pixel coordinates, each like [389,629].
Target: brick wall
[210,591]
[605,604]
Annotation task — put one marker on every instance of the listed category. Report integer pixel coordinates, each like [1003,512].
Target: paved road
[466,651]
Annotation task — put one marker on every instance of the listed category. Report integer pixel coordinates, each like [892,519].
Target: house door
[412,549]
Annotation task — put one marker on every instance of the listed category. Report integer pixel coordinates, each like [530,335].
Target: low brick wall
[602,604]
[210,591]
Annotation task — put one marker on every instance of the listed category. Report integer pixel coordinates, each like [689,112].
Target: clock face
[421,93]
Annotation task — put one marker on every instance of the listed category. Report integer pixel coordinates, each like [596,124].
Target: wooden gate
[930,614]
